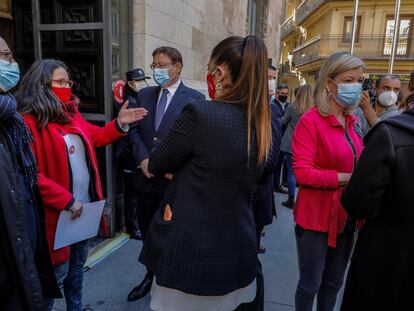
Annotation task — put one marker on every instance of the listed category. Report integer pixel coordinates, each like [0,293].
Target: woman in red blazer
[64,147]
[326,145]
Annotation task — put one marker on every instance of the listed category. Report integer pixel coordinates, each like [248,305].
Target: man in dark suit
[164,103]
[282,94]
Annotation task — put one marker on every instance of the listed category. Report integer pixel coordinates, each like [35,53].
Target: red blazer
[321,151]
[54,179]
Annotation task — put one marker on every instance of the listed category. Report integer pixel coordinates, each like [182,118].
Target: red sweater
[54,177]
[321,150]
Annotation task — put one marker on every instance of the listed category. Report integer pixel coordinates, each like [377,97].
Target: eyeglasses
[159,65]
[64,82]
[7,55]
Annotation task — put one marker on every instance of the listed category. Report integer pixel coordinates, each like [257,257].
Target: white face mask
[387,99]
[272,86]
[139,85]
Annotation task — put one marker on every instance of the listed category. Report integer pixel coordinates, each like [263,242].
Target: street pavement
[107,284]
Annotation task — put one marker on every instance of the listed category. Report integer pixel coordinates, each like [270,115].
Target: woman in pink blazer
[326,145]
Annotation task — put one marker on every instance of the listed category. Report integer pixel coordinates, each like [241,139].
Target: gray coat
[290,120]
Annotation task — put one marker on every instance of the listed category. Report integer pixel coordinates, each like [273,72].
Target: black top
[209,247]
[123,147]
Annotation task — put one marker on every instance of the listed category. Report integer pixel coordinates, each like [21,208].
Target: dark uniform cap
[136,74]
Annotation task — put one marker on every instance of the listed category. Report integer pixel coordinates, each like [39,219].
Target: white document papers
[70,231]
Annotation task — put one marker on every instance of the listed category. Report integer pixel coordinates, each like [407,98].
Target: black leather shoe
[136,235]
[141,290]
[289,203]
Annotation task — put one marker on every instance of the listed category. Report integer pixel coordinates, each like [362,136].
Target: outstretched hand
[128,116]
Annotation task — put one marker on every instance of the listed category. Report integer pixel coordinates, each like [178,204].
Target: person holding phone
[387,89]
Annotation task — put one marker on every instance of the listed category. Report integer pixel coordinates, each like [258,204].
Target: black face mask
[282,98]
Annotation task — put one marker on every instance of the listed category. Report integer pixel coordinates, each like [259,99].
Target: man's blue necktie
[159,112]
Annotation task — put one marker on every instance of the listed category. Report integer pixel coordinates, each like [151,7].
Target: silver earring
[219,88]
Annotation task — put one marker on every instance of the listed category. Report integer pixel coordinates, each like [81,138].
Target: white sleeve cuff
[124,128]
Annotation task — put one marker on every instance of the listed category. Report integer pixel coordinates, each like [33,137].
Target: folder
[70,231]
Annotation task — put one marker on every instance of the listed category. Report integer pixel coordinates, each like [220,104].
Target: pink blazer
[322,148]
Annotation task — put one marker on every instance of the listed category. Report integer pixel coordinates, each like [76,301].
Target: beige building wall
[194,27]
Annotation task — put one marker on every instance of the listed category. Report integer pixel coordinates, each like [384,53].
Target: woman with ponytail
[202,244]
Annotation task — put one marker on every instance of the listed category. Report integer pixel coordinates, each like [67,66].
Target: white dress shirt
[171,91]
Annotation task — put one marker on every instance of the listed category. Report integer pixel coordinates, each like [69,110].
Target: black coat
[264,204]
[25,278]
[123,147]
[209,247]
[282,111]
[381,274]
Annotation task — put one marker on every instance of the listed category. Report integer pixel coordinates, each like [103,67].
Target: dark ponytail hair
[246,59]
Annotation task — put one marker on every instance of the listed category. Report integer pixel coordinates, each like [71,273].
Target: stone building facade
[194,27]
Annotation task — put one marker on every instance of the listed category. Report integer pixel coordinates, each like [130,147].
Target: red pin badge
[72,149]
[118,91]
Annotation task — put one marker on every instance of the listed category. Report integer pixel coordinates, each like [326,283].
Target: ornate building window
[347,29]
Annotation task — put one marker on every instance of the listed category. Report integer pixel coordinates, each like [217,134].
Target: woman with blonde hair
[303,102]
[326,145]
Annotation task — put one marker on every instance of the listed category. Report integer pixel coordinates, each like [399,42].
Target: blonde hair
[334,65]
[303,101]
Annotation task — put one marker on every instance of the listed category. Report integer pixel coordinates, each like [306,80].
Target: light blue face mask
[349,94]
[161,76]
[9,75]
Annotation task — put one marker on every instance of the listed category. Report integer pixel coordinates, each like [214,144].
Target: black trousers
[148,206]
[281,171]
[258,303]
[131,201]
[259,231]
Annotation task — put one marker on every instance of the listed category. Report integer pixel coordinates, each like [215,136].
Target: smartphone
[367,85]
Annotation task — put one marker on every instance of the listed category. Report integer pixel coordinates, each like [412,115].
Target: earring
[219,88]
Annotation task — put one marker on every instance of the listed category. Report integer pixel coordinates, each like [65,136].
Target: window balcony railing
[307,8]
[284,68]
[367,48]
[287,27]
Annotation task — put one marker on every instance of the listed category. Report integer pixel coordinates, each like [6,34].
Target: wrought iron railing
[306,8]
[287,27]
[284,68]
[366,47]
